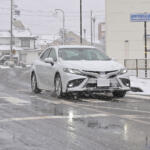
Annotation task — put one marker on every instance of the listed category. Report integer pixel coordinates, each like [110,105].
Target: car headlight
[123,71]
[73,71]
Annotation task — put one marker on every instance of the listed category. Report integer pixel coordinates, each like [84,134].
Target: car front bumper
[78,83]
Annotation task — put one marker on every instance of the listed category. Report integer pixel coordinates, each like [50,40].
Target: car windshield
[75,54]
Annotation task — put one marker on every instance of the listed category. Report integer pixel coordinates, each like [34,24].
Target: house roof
[71,38]
[46,39]
[4,34]
[22,33]
[7,48]
[17,33]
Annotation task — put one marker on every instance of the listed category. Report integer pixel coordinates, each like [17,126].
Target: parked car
[5,59]
[78,70]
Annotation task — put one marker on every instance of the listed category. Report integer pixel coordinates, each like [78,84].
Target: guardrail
[138,65]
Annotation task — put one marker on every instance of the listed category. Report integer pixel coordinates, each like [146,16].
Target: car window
[75,54]
[45,54]
[53,54]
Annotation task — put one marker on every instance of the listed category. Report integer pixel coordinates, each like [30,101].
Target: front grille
[99,72]
[91,85]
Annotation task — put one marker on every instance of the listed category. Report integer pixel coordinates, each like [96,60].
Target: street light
[63,13]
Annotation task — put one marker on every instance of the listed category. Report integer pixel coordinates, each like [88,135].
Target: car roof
[72,46]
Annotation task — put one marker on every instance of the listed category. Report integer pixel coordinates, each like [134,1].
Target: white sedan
[78,70]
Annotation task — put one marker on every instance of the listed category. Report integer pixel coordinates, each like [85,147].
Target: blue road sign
[141,17]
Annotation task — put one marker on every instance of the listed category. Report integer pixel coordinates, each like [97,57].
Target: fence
[140,66]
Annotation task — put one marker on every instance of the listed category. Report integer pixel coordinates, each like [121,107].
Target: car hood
[93,65]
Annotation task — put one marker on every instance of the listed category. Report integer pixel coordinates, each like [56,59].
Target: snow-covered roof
[17,33]
[7,48]
[45,39]
[22,33]
[73,46]
[4,34]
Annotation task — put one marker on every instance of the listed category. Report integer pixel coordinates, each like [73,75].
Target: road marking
[15,101]
[53,117]
[92,108]
[138,96]
[94,101]
[127,100]
[140,121]
[48,101]
[123,109]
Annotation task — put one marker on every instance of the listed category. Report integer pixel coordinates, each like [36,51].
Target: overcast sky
[38,14]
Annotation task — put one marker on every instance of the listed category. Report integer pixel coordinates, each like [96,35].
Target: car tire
[34,85]
[119,94]
[58,86]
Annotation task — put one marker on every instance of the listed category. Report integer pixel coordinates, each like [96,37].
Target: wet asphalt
[43,122]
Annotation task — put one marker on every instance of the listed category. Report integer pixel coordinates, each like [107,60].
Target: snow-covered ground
[141,83]
[4,67]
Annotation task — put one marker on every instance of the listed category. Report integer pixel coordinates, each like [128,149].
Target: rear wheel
[119,94]
[34,86]
[58,86]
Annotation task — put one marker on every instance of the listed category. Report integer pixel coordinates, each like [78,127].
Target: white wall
[4,41]
[32,44]
[125,39]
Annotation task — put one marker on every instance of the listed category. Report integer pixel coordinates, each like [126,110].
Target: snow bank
[143,84]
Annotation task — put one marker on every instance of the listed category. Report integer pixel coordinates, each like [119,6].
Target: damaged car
[78,70]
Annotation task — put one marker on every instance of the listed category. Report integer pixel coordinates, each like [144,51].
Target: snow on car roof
[73,46]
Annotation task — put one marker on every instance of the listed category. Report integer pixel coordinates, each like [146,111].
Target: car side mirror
[49,60]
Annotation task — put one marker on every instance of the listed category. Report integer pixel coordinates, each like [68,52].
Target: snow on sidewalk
[143,84]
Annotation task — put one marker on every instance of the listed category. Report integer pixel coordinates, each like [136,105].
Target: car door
[41,69]
[52,70]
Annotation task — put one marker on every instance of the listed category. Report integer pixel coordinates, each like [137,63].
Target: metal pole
[80,21]
[63,27]
[11,31]
[94,29]
[145,35]
[84,34]
[63,13]
[91,28]
[137,67]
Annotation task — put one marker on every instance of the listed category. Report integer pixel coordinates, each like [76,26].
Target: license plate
[103,82]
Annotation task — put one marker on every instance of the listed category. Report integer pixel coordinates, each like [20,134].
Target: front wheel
[119,94]
[58,86]
[34,86]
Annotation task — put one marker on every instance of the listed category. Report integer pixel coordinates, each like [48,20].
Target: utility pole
[84,30]
[94,20]
[91,27]
[11,31]
[80,21]
[145,36]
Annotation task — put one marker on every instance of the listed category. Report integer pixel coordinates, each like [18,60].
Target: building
[24,43]
[101,31]
[125,39]
[71,38]
[44,40]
